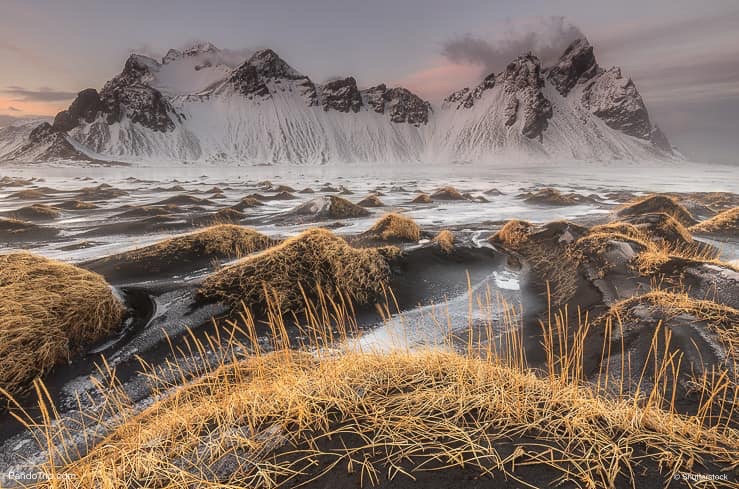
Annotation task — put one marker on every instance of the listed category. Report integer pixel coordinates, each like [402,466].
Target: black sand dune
[323,208]
[184,200]
[551,196]
[76,205]
[447,193]
[35,212]
[14,231]
[180,255]
[102,192]
[149,211]
[149,225]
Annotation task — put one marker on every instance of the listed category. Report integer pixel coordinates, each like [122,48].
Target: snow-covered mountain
[201,105]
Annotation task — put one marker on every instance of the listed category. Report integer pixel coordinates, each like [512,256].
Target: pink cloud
[444,77]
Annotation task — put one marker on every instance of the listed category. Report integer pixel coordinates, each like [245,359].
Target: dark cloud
[648,33]
[547,38]
[43,94]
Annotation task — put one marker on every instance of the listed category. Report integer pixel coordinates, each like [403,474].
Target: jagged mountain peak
[201,47]
[195,49]
[270,65]
[522,72]
[606,94]
[576,64]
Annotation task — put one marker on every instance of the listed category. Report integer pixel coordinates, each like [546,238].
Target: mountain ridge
[196,105]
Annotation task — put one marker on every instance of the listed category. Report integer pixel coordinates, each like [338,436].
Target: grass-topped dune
[445,241]
[447,193]
[218,242]
[401,419]
[667,307]
[552,196]
[327,207]
[724,223]
[300,268]
[657,203]
[49,311]
[422,198]
[76,205]
[12,230]
[564,255]
[393,227]
[36,212]
[372,200]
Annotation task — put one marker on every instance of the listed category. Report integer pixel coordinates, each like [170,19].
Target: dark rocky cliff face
[406,107]
[402,105]
[466,97]
[45,143]
[341,95]
[607,93]
[375,97]
[126,94]
[264,69]
[522,84]
[577,64]
[129,94]
[615,99]
[246,80]
[85,107]
[270,65]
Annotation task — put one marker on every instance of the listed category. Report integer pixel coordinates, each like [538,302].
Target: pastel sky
[682,54]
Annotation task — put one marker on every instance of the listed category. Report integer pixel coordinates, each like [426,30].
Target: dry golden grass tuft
[513,234]
[618,227]
[726,222]
[394,227]
[550,196]
[77,205]
[218,241]
[16,226]
[657,203]
[28,194]
[447,193]
[48,311]
[652,250]
[148,211]
[299,268]
[37,212]
[289,418]
[445,240]
[246,203]
[340,208]
[372,200]
[421,199]
[228,215]
[662,227]
[721,318]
